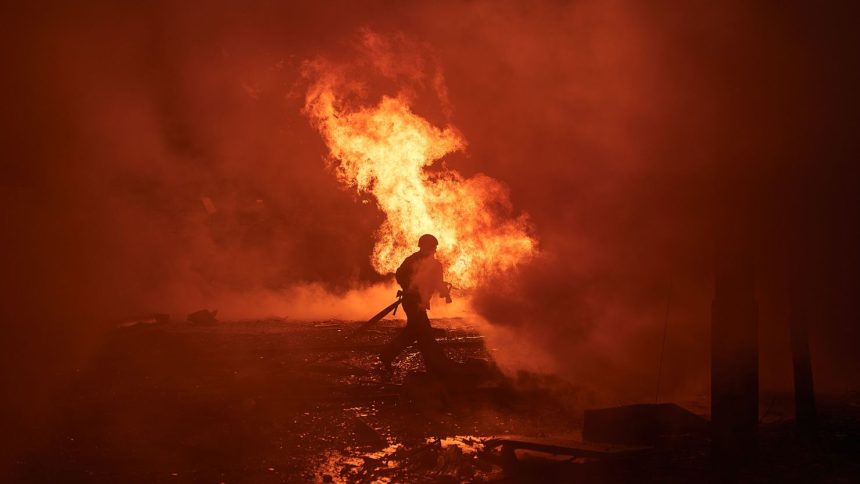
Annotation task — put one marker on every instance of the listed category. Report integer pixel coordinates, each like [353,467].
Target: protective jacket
[420,276]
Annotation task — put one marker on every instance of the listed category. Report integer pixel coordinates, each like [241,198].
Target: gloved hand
[447,293]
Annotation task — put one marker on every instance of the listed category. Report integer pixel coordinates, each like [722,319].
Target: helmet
[427,241]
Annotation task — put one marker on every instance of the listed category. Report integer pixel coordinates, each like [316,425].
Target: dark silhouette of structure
[420,277]
[734,361]
[806,418]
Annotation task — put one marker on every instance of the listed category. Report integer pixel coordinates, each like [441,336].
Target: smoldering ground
[631,135]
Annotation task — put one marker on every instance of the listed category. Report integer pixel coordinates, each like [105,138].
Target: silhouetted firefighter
[420,277]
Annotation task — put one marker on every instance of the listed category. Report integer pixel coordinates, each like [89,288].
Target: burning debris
[165,156]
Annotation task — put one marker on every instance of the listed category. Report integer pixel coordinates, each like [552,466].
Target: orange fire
[385,150]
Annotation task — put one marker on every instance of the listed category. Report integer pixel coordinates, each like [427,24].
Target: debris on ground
[366,434]
[277,401]
[154,318]
[203,316]
[456,458]
[644,423]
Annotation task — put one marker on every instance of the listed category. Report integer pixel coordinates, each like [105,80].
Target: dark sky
[634,135]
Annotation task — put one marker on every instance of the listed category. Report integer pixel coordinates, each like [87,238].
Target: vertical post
[663,346]
[734,360]
[804,393]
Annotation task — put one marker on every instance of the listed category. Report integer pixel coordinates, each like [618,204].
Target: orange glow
[385,150]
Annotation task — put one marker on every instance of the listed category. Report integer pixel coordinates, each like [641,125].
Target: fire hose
[393,307]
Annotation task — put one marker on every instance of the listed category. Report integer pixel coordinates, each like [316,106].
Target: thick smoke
[158,160]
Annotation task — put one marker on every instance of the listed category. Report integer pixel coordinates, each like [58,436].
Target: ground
[285,401]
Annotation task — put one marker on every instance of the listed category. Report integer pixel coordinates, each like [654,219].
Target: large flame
[384,150]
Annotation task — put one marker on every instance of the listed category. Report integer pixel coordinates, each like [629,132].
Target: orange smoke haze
[280,158]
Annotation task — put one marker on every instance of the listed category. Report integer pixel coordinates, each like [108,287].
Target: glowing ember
[384,150]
